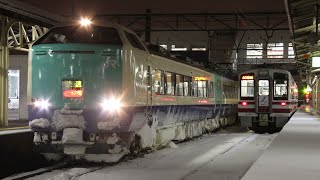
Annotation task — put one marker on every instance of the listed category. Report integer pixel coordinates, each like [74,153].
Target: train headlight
[42,104]
[111,104]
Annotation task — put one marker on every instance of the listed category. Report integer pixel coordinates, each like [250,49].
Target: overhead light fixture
[85,21]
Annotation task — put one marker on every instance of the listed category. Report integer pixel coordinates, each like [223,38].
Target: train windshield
[76,34]
[280,86]
[247,86]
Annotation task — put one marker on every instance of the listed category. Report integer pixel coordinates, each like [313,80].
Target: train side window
[179,85]
[159,82]
[202,88]
[187,85]
[134,41]
[170,83]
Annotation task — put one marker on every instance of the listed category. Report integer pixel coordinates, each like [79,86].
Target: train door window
[247,86]
[149,79]
[159,83]
[179,85]
[134,41]
[187,85]
[170,83]
[202,88]
[280,86]
[195,88]
[263,87]
[211,89]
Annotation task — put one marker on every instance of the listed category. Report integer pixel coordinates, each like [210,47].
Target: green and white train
[97,93]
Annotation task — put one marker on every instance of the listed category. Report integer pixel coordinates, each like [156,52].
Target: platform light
[85,21]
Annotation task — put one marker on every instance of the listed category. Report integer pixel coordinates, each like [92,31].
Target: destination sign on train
[247,77]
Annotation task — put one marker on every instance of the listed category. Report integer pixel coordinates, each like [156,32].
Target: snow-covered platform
[294,153]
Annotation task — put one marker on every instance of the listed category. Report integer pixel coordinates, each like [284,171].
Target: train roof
[261,69]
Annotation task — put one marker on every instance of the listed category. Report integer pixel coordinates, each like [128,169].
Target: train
[268,98]
[97,93]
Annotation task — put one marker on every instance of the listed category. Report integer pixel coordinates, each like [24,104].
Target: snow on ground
[294,154]
[224,155]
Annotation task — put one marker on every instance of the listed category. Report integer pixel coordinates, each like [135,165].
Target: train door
[264,102]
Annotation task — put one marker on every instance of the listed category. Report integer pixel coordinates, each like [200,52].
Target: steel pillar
[4,65]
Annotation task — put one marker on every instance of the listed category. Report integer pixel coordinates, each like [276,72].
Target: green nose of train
[79,75]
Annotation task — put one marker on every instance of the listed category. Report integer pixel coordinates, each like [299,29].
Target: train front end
[268,98]
[76,92]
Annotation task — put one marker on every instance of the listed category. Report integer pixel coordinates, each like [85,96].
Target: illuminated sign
[201,78]
[72,89]
[248,77]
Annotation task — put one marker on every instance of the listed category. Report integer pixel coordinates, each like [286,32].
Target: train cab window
[247,86]
[134,41]
[280,86]
[187,85]
[170,83]
[159,82]
[179,85]
[263,87]
[72,34]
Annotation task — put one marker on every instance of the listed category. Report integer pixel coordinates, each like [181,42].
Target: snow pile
[70,174]
[68,119]
[72,135]
[172,145]
[39,123]
[108,125]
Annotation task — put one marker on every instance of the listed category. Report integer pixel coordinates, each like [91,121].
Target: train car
[97,93]
[268,98]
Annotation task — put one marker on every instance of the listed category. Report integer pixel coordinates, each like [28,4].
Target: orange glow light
[72,93]
[200,78]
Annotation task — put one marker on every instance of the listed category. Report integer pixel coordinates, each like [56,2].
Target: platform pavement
[295,152]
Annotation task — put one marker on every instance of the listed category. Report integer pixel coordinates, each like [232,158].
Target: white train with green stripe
[98,93]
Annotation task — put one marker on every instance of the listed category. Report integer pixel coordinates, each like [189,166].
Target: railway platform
[294,153]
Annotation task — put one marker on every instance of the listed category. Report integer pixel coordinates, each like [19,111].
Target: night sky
[95,7]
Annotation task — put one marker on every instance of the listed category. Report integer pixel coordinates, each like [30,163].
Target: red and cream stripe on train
[286,108]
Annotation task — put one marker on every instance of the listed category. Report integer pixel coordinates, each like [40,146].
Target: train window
[187,85]
[247,86]
[170,83]
[179,85]
[202,88]
[134,41]
[72,34]
[263,87]
[159,82]
[194,89]
[211,89]
[280,86]
[149,79]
